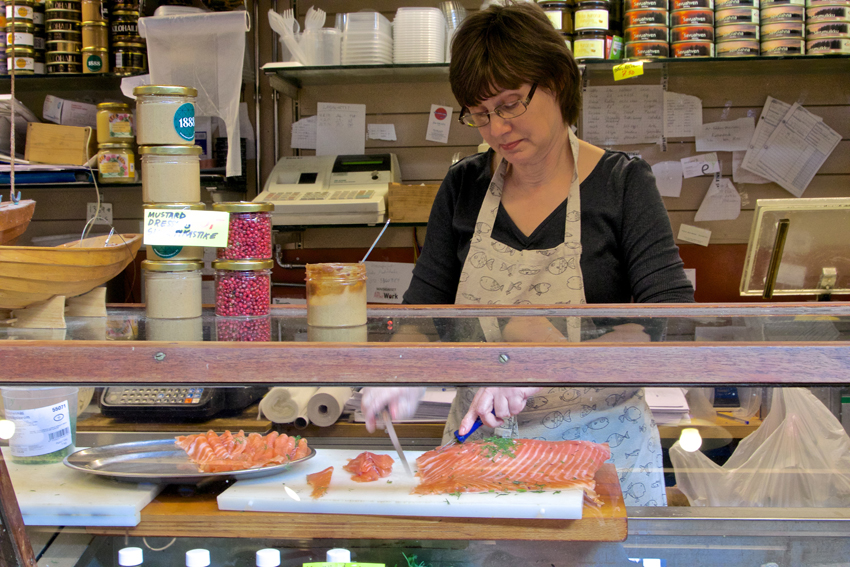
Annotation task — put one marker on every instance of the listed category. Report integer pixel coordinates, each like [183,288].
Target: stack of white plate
[366,39]
[419,36]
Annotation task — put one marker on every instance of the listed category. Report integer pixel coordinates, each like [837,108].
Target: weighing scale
[342,189]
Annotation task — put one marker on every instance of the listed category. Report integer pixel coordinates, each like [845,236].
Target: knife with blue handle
[461,438]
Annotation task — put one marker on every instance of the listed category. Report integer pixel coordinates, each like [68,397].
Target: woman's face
[528,138]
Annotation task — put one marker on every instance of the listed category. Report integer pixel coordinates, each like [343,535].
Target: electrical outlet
[105,215]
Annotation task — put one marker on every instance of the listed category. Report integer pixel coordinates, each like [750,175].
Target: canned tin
[740,48]
[782,30]
[632,5]
[736,32]
[64,36]
[701,17]
[825,2]
[63,68]
[124,27]
[770,3]
[693,49]
[736,16]
[63,5]
[62,25]
[23,12]
[128,58]
[692,4]
[59,57]
[783,47]
[95,11]
[692,33]
[645,18]
[647,33]
[64,46]
[647,49]
[74,15]
[726,4]
[95,60]
[95,34]
[828,12]
[786,13]
[827,29]
[828,46]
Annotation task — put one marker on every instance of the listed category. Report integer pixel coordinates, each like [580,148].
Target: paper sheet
[623,114]
[381,132]
[694,234]
[700,165]
[682,115]
[721,202]
[304,133]
[727,136]
[741,175]
[386,282]
[341,129]
[771,114]
[668,177]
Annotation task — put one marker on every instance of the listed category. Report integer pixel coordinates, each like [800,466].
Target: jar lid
[96,50]
[176,206]
[242,265]
[113,106]
[20,51]
[132,13]
[172,265]
[243,207]
[115,146]
[164,90]
[95,24]
[130,45]
[16,26]
[171,150]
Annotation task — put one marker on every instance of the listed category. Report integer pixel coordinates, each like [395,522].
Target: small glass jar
[94,11]
[336,295]
[589,44]
[116,163]
[95,60]
[560,14]
[175,329]
[128,58]
[165,115]
[172,289]
[23,12]
[591,15]
[172,253]
[95,34]
[250,232]
[171,174]
[242,287]
[22,34]
[243,329]
[114,123]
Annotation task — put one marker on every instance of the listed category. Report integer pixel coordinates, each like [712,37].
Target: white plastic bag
[798,457]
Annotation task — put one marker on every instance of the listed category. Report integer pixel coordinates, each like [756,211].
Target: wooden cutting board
[390,496]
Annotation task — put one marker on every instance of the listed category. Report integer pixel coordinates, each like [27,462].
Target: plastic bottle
[130,556]
[197,558]
[338,556]
[268,558]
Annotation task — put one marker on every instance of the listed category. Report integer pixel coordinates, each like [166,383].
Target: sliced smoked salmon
[367,467]
[320,482]
[511,465]
[228,452]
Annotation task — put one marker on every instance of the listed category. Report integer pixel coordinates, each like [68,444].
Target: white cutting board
[54,495]
[388,496]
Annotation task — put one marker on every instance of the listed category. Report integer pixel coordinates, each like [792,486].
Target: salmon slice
[367,467]
[503,465]
[320,482]
[229,452]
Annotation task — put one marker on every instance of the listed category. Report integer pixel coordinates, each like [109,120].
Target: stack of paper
[22,116]
[668,405]
[434,406]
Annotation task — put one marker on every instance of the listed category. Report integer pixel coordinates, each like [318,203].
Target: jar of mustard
[336,295]
[114,123]
[165,115]
[116,163]
[172,289]
[171,174]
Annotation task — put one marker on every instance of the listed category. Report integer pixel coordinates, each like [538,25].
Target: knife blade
[394,438]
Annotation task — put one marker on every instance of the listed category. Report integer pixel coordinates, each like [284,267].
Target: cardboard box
[410,203]
[61,145]
[69,112]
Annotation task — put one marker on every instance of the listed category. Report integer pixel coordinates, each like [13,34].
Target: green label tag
[167,251]
[94,64]
[173,228]
[184,121]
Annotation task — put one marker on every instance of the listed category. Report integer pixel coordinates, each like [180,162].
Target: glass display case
[744,370]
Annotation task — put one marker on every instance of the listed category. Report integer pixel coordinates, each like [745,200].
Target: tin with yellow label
[95,60]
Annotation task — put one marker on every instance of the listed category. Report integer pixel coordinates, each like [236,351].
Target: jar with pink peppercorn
[250,234]
[242,287]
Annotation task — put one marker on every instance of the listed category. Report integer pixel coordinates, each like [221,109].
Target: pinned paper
[386,282]
[771,115]
[741,175]
[694,234]
[304,133]
[625,114]
[341,129]
[726,136]
[439,124]
[682,115]
[169,227]
[691,274]
[668,177]
[628,70]
[721,202]
[381,132]
[700,165]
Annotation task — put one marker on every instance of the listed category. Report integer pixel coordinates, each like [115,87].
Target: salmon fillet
[228,452]
[367,467]
[503,465]
[320,482]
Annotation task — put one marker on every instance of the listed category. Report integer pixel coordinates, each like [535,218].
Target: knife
[461,438]
[394,438]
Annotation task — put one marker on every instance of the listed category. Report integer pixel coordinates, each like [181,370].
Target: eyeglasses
[507,111]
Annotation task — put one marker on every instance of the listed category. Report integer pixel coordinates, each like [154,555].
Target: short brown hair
[504,47]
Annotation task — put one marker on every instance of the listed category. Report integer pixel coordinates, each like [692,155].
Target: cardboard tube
[284,405]
[326,405]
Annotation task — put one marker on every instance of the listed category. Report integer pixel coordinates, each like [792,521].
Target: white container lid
[338,556]
[197,558]
[130,556]
[268,558]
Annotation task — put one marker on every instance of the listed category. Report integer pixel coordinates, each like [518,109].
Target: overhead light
[7,429]
[690,440]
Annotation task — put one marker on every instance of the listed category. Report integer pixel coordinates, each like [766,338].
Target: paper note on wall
[694,234]
[721,202]
[381,132]
[741,175]
[682,115]
[726,136]
[386,282]
[439,124]
[668,177]
[771,115]
[700,165]
[625,114]
[304,133]
[341,129]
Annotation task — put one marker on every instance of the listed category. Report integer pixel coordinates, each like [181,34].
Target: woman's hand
[402,403]
[504,402]
[625,333]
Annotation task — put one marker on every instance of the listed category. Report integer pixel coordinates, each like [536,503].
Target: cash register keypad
[153,396]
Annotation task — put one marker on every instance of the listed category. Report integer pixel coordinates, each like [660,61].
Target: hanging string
[11,37]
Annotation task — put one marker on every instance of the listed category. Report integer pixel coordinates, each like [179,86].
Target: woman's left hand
[504,402]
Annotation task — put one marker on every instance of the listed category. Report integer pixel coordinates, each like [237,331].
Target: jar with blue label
[174,252]
[165,115]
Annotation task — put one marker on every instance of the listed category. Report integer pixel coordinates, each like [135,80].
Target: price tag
[169,227]
[628,70]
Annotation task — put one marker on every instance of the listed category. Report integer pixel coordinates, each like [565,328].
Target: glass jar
[95,34]
[242,287]
[174,329]
[165,115]
[22,59]
[560,14]
[172,289]
[171,174]
[23,12]
[114,123]
[116,163]
[94,11]
[591,15]
[250,232]
[95,60]
[171,253]
[243,329]
[589,44]
[128,58]
[336,295]
[22,35]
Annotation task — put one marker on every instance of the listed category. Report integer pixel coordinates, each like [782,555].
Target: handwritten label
[730,136]
[169,227]
[694,234]
[341,129]
[700,165]
[628,70]
[682,115]
[386,282]
[625,114]
[381,132]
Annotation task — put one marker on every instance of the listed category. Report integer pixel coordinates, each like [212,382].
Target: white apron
[494,273]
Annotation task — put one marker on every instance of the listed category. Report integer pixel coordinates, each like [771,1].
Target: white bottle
[130,556]
[268,558]
[197,558]
[338,556]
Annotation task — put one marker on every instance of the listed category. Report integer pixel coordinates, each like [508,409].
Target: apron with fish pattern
[495,273]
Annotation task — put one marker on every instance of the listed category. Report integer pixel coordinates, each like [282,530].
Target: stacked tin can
[646,27]
[737,29]
[827,27]
[20,38]
[95,30]
[692,28]
[560,13]
[129,52]
[39,36]
[783,28]
[63,19]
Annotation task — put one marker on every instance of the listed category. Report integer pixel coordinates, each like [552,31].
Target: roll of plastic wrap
[284,405]
[302,421]
[326,405]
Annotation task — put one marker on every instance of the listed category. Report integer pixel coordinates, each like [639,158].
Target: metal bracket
[289,239]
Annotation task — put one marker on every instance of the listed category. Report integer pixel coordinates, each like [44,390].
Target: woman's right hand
[401,402]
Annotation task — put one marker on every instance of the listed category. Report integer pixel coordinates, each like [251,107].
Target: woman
[543,218]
